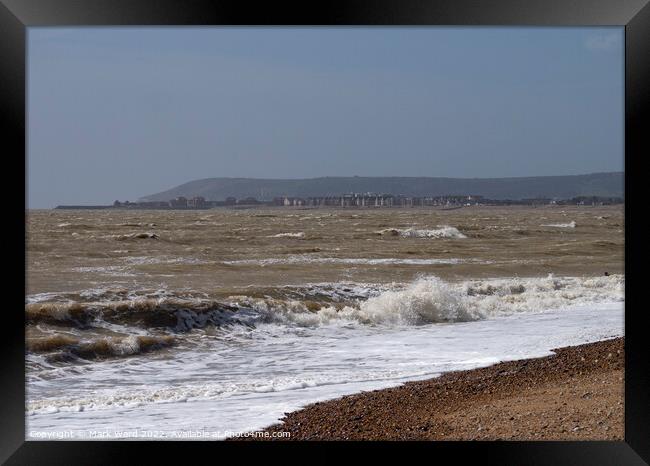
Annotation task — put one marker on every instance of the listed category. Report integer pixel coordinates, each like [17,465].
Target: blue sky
[118,113]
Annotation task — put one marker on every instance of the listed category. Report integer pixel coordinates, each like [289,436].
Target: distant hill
[564,187]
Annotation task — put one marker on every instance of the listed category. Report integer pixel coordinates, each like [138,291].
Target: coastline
[575,394]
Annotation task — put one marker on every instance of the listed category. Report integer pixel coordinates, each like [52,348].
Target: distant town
[367,200]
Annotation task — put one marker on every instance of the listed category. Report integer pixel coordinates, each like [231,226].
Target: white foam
[125,346]
[111,270]
[444,231]
[150,260]
[426,300]
[307,259]
[42,297]
[299,234]
[571,224]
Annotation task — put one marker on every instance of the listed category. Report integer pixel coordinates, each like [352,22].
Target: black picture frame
[634,15]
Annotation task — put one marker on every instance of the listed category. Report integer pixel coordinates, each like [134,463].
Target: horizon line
[406,176]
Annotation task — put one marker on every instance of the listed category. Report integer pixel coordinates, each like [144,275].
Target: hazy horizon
[395,176]
[119,113]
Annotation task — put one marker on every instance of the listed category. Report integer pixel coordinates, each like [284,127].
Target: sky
[119,113]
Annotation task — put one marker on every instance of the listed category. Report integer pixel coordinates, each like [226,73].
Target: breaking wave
[426,300]
[69,347]
[432,300]
[571,224]
[299,234]
[441,232]
[175,313]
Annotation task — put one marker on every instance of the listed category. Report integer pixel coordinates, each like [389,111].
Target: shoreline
[575,394]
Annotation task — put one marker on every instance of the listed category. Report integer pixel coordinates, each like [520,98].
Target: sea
[205,324]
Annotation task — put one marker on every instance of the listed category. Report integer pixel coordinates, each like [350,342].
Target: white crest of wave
[571,224]
[125,346]
[444,231]
[424,301]
[432,300]
[427,300]
[299,234]
[308,259]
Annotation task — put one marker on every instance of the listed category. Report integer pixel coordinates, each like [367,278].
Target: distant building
[248,201]
[178,203]
[197,202]
[289,201]
[153,205]
[357,200]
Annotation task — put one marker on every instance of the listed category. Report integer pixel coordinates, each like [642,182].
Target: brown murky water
[220,251]
[94,275]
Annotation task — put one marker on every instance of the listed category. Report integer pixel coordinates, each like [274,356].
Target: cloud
[603,42]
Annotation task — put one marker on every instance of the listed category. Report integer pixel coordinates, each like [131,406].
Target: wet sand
[576,394]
